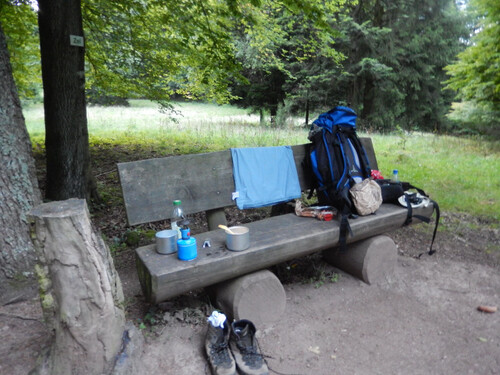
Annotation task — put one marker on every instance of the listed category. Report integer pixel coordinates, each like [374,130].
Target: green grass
[460,173]
[198,127]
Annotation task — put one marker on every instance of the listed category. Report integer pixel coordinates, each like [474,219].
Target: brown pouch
[366,196]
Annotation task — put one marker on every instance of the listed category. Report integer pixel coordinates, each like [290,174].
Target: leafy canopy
[476,74]
[159,48]
[19,22]
[284,54]
[396,53]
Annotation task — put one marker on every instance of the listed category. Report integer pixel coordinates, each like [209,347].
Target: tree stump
[370,260]
[81,293]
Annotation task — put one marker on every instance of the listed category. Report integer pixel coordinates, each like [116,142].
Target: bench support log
[258,296]
[371,260]
[80,291]
[215,218]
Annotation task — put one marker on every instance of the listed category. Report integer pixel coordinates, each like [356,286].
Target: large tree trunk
[67,145]
[81,294]
[368,98]
[18,189]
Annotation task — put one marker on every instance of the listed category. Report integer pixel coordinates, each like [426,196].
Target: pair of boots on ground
[231,347]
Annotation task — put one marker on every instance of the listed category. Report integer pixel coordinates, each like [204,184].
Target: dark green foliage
[385,59]
[98,97]
[19,22]
[263,91]
[476,73]
[396,54]
[286,54]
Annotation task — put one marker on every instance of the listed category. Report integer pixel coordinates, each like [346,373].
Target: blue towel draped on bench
[264,176]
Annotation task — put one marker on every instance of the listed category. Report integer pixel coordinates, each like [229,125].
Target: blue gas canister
[186,246]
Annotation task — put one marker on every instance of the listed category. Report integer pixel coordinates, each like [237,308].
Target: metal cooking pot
[239,239]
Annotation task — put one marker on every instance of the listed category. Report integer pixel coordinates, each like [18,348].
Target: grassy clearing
[197,127]
[460,173]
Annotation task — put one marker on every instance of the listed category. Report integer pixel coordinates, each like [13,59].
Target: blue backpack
[338,161]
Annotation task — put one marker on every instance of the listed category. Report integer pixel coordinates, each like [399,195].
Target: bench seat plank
[273,240]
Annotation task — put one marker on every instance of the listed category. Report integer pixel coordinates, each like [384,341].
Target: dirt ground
[422,320]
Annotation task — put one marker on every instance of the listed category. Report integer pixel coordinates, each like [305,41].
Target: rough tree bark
[81,294]
[67,144]
[368,97]
[18,189]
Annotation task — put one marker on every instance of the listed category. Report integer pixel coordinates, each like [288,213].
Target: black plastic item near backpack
[338,161]
[392,191]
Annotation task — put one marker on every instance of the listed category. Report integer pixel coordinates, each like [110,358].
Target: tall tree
[396,54]
[393,67]
[430,41]
[476,73]
[18,188]
[284,56]
[19,23]
[63,73]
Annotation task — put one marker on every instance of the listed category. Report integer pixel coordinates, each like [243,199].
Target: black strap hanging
[410,216]
[438,215]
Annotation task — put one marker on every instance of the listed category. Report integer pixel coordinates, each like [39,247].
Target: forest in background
[400,64]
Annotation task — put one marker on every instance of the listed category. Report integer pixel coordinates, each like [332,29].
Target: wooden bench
[204,182]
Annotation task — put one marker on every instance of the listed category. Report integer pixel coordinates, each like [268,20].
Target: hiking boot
[244,347]
[219,356]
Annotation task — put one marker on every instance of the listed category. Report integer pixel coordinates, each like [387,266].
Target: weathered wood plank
[273,240]
[370,152]
[202,181]
[300,152]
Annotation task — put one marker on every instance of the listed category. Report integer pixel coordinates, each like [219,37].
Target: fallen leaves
[487,309]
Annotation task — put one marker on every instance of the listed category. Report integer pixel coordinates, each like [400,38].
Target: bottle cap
[395,171]
[177,202]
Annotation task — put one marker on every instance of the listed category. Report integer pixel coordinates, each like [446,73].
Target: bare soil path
[423,320]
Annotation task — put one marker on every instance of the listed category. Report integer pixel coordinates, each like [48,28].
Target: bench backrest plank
[202,181]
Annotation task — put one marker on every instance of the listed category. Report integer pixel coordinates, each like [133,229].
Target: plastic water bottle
[177,216]
[395,176]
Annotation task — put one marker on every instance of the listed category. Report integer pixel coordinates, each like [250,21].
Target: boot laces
[249,354]
[220,354]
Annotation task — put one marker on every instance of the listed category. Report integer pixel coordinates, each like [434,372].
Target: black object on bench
[204,182]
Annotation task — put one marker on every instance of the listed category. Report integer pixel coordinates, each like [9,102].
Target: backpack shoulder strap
[363,157]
